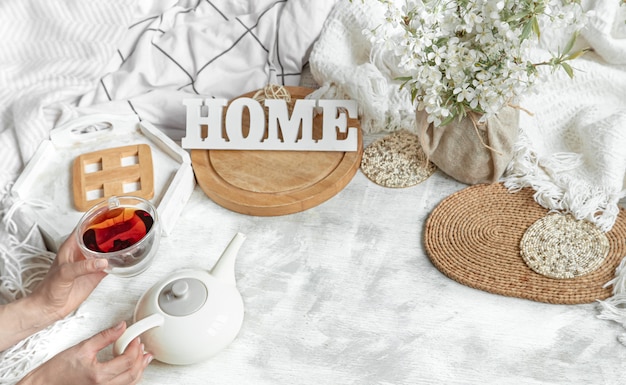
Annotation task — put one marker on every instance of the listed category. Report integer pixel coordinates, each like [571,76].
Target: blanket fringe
[619,282]
[22,266]
[22,263]
[614,308]
[26,355]
[555,190]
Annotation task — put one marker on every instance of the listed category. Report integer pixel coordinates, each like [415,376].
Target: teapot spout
[224,269]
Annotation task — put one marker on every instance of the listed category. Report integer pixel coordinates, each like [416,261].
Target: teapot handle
[135,330]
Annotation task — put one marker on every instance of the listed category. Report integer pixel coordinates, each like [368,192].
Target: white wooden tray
[46,182]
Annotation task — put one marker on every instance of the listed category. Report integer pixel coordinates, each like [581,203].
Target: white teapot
[190,315]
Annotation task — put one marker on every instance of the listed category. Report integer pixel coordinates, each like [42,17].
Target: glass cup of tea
[125,230]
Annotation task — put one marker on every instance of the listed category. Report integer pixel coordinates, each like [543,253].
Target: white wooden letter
[335,121]
[284,131]
[196,119]
[278,118]
[234,117]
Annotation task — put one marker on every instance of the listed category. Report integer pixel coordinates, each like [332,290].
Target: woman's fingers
[125,369]
[130,365]
[79,364]
[105,337]
[71,271]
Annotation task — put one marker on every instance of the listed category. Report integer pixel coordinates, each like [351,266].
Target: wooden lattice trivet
[115,171]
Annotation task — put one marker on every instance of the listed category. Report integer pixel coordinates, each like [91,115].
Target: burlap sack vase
[458,151]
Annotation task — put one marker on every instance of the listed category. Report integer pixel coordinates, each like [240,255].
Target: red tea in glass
[123,229]
[117,229]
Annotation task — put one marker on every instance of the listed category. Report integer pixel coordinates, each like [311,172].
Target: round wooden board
[270,183]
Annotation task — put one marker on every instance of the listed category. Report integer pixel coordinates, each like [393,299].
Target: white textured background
[343,293]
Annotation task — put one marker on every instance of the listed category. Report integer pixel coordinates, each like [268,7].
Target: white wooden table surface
[344,293]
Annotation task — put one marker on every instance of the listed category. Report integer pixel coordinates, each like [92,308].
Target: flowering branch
[457,56]
[560,60]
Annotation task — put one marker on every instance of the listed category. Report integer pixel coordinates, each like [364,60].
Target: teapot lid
[183,297]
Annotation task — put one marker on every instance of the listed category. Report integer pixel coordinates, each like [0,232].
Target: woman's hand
[67,284]
[79,365]
[69,281]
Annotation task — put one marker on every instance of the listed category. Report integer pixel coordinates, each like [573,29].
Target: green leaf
[576,54]
[447,120]
[517,16]
[568,69]
[570,43]
[526,31]
[535,24]
[531,69]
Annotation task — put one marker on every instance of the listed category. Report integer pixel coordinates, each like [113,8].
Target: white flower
[437,54]
[466,93]
[467,54]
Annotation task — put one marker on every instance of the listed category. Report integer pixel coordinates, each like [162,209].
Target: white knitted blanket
[344,63]
[572,148]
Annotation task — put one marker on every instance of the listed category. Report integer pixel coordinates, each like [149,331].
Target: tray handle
[91,127]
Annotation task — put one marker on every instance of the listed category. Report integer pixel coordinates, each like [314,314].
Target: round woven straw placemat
[560,246]
[396,160]
[473,237]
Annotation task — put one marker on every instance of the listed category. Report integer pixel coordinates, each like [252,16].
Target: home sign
[205,128]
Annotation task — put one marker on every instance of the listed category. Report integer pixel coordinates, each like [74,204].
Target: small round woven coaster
[474,235]
[559,246]
[396,160]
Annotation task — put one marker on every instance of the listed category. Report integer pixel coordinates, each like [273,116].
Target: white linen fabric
[50,52]
[217,48]
[61,59]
